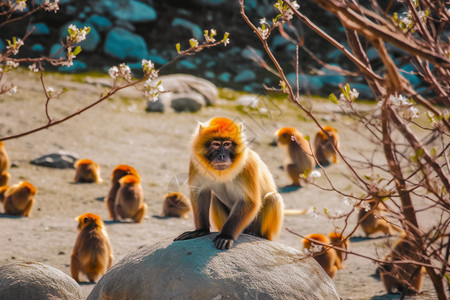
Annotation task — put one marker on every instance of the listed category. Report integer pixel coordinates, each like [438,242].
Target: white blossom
[411,113]
[152,91]
[12,64]
[113,72]
[51,6]
[314,174]
[49,91]
[20,5]
[12,90]
[365,205]
[33,68]
[125,71]
[149,68]
[350,201]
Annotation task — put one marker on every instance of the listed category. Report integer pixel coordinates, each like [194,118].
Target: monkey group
[300,157]
[231,190]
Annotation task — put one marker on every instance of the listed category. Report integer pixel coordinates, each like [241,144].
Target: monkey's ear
[201,127]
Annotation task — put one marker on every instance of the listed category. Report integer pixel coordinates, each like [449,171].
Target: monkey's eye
[285,135]
[85,220]
[226,144]
[215,144]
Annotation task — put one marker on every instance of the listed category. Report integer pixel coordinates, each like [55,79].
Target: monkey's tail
[296,212]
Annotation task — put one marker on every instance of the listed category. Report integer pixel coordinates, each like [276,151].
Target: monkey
[175,205]
[371,221]
[323,147]
[2,192]
[87,171]
[18,199]
[4,165]
[338,240]
[129,201]
[118,172]
[402,278]
[298,158]
[327,258]
[230,180]
[92,254]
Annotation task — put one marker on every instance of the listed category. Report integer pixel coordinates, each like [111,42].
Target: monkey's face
[220,153]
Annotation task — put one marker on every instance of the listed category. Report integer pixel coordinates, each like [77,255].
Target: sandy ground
[120,131]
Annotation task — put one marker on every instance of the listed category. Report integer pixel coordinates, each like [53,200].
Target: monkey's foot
[192,234]
[223,241]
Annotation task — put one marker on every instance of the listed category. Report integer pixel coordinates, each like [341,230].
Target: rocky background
[130,30]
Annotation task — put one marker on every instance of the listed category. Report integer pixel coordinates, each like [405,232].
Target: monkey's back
[95,252]
[130,198]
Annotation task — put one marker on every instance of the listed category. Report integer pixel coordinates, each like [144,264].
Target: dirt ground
[120,131]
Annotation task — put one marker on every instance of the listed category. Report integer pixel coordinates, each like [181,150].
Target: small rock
[59,160]
[155,106]
[196,31]
[245,76]
[187,102]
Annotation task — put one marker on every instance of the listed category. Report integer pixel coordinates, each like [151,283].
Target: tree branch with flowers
[121,75]
[415,170]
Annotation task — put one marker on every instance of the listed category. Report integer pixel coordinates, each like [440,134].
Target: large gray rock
[182,83]
[253,268]
[59,160]
[36,281]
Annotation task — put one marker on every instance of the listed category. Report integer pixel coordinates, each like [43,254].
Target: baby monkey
[175,205]
[92,254]
[87,171]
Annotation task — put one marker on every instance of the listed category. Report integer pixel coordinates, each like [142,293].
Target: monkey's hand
[192,234]
[223,241]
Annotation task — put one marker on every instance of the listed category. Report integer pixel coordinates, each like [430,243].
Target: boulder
[59,160]
[155,106]
[121,43]
[35,281]
[195,30]
[187,102]
[253,268]
[182,83]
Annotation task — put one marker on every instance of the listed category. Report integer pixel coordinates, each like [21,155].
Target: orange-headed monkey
[87,171]
[338,240]
[298,158]
[402,278]
[92,254]
[323,146]
[18,199]
[232,181]
[130,199]
[372,221]
[119,172]
[4,165]
[327,257]
[176,205]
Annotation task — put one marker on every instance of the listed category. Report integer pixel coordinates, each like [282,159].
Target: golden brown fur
[92,254]
[18,199]
[372,221]
[4,165]
[176,205]
[242,197]
[119,172]
[323,147]
[338,240]
[130,199]
[298,157]
[327,258]
[87,171]
[402,278]
[2,192]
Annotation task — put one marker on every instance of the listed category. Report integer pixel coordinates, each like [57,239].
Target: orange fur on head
[285,135]
[89,218]
[18,199]
[129,179]
[327,129]
[122,170]
[219,128]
